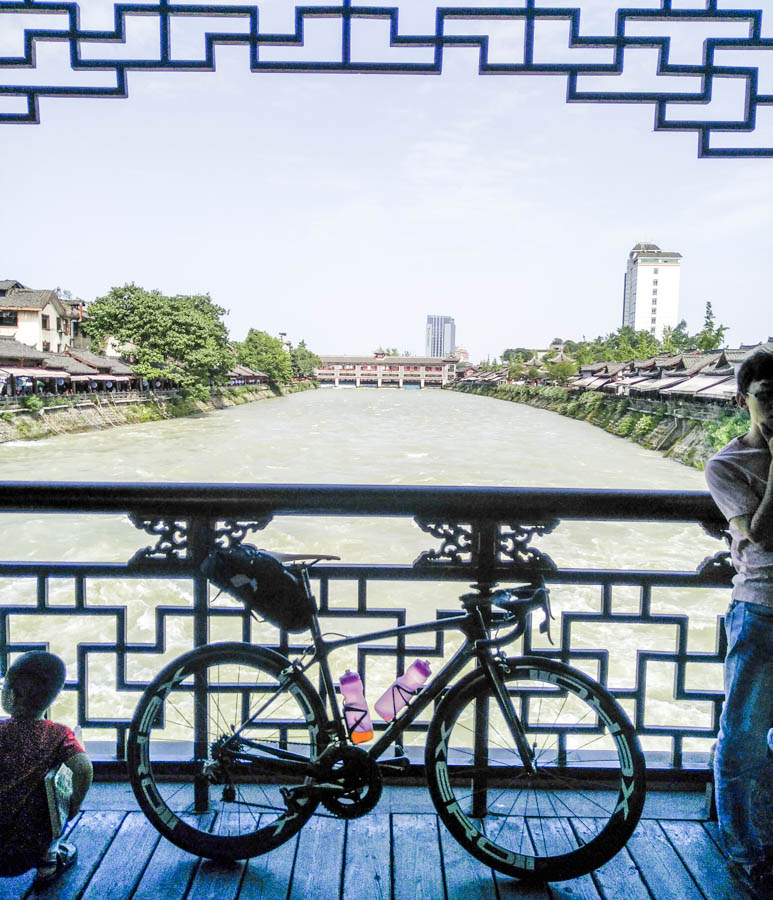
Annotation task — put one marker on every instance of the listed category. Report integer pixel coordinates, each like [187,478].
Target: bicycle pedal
[397,763]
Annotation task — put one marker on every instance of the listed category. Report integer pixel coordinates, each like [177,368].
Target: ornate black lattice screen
[721,87]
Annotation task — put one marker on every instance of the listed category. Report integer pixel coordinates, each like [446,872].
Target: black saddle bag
[263,584]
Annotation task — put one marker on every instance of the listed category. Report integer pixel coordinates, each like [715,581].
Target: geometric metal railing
[676,58]
[479,535]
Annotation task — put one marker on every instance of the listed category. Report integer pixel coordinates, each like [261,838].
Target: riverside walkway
[397,852]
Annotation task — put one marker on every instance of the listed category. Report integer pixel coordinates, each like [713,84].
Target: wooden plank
[268,877]
[13,888]
[217,880]
[320,859]
[92,834]
[466,877]
[555,834]
[122,866]
[367,859]
[675,805]
[111,795]
[704,861]
[170,870]
[662,869]
[514,834]
[712,829]
[619,877]
[221,879]
[417,870]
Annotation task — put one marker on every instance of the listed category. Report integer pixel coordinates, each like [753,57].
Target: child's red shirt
[28,749]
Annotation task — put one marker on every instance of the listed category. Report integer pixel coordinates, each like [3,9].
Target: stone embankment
[98,411]
[687,432]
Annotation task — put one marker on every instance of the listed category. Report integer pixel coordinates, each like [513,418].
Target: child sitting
[29,747]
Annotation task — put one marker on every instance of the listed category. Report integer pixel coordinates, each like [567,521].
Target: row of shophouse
[43,349]
[705,377]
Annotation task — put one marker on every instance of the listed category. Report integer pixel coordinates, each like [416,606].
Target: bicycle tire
[564,820]
[237,679]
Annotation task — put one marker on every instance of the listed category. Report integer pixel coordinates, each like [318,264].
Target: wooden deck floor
[398,852]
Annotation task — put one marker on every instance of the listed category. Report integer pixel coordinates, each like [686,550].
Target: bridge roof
[387,360]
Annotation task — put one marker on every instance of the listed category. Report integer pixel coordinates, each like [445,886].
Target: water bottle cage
[402,693]
[355,709]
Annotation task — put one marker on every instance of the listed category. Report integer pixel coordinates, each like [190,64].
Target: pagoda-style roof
[106,364]
[26,298]
[7,285]
[330,360]
[13,350]
[68,364]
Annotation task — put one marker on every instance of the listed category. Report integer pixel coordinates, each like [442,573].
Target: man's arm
[758,526]
[82,773]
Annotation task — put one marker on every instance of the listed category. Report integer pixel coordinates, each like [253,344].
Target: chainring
[357,781]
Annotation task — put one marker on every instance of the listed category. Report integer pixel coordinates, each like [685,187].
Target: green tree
[266,354]
[515,370]
[304,363]
[180,337]
[516,354]
[561,370]
[676,340]
[710,337]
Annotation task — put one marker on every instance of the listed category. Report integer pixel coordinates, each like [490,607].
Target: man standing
[740,478]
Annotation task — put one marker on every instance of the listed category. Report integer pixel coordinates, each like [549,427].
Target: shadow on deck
[400,850]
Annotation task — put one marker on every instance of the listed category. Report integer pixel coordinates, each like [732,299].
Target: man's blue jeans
[743,765]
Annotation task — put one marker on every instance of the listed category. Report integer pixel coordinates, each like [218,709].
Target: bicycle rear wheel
[220,722]
[579,807]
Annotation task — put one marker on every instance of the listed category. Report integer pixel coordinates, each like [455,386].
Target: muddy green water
[365,436]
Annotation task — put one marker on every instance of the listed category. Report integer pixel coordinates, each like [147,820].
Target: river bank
[687,433]
[96,412]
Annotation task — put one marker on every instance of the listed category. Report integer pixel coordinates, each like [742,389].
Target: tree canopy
[303,361]
[180,337]
[266,354]
[710,337]
[626,344]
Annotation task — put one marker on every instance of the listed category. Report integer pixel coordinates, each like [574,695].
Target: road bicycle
[533,766]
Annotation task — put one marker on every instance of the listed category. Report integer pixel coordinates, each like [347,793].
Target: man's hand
[767,433]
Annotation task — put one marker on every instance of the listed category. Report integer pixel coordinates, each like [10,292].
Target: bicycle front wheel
[222,728]
[584,797]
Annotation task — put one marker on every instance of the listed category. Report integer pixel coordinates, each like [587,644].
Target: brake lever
[545,624]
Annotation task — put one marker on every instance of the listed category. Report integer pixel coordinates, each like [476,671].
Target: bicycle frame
[477,646]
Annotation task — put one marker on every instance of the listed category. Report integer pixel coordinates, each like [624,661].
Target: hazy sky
[344,208]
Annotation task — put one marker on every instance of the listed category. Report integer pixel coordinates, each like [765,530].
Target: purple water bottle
[402,689]
[355,707]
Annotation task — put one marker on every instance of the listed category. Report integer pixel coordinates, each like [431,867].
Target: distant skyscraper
[441,336]
[651,293]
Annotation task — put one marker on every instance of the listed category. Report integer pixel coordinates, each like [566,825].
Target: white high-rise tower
[651,294]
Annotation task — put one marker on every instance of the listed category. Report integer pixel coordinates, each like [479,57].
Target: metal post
[198,545]
[480,761]
[484,556]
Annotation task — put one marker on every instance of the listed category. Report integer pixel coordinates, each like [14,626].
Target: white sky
[344,208]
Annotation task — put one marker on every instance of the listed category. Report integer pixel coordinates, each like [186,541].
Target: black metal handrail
[486,535]
[495,503]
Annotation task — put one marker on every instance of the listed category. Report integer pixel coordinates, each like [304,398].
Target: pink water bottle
[400,692]
[356,707]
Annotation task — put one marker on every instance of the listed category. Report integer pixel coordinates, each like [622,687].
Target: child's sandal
[66,855]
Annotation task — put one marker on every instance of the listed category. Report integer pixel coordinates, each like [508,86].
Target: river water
[368,436]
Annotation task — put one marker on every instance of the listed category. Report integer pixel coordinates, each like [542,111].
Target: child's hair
[36,677]
[758,366]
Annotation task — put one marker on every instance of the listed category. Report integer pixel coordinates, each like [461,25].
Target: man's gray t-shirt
[737,477]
